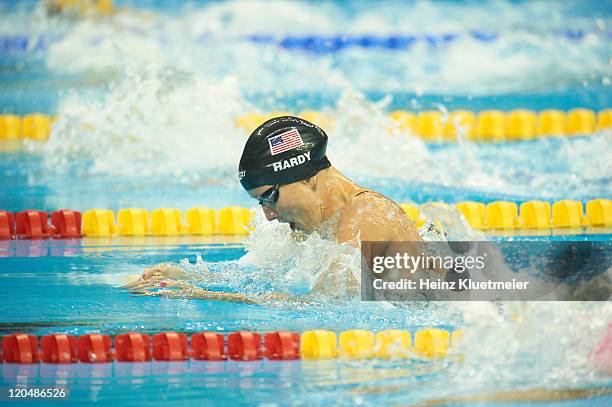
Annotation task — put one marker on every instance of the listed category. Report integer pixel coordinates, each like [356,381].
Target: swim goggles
[270,196]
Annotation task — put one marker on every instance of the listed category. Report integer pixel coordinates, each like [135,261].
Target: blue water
[248,383]
[537,40]
[68,276]
[147,102]
[71,287]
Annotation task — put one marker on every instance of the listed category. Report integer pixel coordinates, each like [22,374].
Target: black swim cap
[281,151]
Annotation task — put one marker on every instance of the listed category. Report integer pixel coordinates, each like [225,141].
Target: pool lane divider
[236,221]
[431,125]
[485,126]
[311,43]
[66,223]
[33,126]
[242,346]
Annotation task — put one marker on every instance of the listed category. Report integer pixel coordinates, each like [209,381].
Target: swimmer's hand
[173,281]
[166,270]
[156,275]
[157,282]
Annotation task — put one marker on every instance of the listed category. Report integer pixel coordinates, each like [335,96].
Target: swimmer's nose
[270,213]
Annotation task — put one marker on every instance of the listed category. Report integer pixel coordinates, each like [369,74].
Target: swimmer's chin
[296,227]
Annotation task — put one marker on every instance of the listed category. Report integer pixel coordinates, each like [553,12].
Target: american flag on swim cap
[285,141]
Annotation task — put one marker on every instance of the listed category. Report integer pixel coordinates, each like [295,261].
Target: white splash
[301,259]
[211,38]
[499,341]
[158,123]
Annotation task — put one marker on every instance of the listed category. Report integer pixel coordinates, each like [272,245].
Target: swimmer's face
[296,205]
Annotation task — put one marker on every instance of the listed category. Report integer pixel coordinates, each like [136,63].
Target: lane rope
[236,220]
[24,348]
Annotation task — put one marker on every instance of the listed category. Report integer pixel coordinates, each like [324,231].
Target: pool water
[146,103]
[73,287]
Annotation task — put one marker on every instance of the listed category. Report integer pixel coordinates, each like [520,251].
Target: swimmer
[284,167]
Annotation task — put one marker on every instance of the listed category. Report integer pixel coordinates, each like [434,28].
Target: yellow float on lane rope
[521,125]
[460,122]
[599,212]
[580,121]
[535,214]
[491,126]
[10,127]
[501,215]
[551,122]
[473,212]
[36,126]
[357,343]
[133,222]
[318,344]
[99,223]
[393,343]
[167,222]
[234,220]
[201,221]
[568,214]
[432,342]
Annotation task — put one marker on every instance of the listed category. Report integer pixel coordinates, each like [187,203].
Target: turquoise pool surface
[146,103]
[73,287]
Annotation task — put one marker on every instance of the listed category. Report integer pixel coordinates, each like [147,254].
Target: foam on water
[555,339]
[527,56]
[177,82]
[306,259]
[168,122]
[154,123]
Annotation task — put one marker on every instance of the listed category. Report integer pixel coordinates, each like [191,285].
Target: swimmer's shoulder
[367,200]
[382,211]
[372,199]
[366,216]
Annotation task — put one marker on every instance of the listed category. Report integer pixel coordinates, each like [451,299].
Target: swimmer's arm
[370,220]
[185,290]
[167,270]
[201,294]
[169,275]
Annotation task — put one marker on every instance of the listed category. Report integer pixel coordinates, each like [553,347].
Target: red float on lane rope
[94,348]
[170,346]
[208,346]
[132,347]
[7,225]
[282,345]
[32,224]
[20,348]
[244,346]
[67,223]
[58,348]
